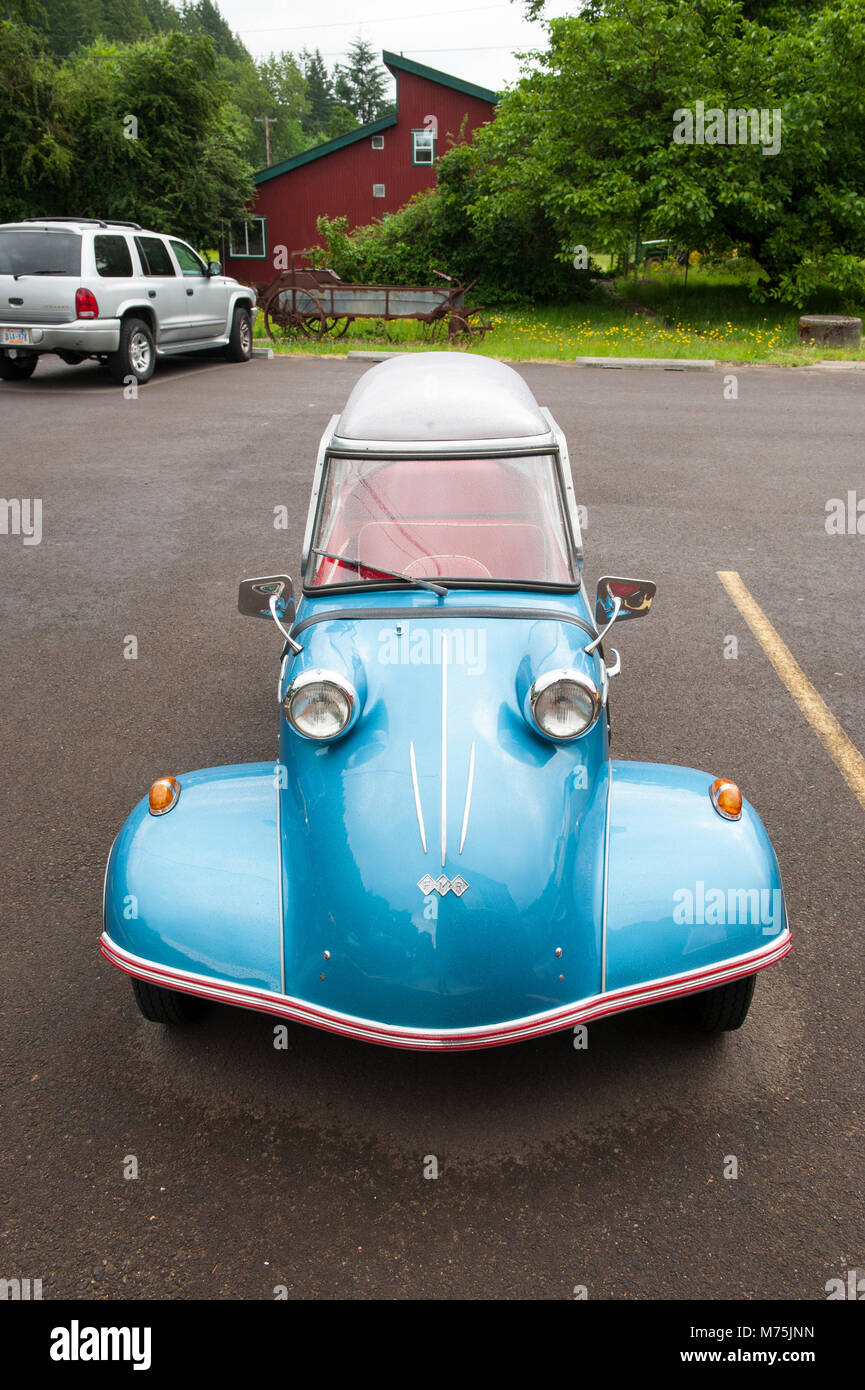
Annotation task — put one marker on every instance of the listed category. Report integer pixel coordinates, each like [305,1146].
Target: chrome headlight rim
[543,683]
[320,676]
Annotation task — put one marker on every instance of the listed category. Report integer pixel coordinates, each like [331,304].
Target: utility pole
[267,122]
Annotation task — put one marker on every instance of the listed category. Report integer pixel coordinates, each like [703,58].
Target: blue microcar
[445,855]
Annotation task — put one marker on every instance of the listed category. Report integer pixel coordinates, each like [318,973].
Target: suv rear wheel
[240,342]
[17,368]
[136,355]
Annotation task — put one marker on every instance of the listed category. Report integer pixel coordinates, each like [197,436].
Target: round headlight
[319,704]
[564,704]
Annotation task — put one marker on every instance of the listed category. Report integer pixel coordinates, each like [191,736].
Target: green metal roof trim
[390,60]
[469,89]
[328,147]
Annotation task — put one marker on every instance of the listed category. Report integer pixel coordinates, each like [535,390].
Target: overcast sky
[475,41]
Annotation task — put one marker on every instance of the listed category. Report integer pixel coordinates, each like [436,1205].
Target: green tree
[34,149]
[203,17]
[183,170]
[361,83]
[583,143]
[319,93]
[284,91]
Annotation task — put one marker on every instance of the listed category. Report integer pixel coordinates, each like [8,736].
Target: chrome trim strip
[279,882]
[444,747]
[606,881]
[570,499]
[416,789]
[312,513]
[491,1035]
[468,798]
[515,444]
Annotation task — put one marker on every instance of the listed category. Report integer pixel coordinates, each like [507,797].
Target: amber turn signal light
[726,798]
[163,795]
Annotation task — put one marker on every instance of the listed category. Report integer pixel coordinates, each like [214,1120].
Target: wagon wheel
[436,331]
[463,331]
[479,330]
[318,323]
[280,324]
[335,325]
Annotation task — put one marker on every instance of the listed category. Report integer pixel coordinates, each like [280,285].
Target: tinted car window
[112,256]
[155,259]
[189,263]
[40,253]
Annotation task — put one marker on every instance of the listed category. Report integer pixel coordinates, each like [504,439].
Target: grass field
[657,315]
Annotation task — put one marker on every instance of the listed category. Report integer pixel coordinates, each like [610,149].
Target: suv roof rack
[96,221]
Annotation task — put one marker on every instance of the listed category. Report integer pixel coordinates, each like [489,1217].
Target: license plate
[16,335]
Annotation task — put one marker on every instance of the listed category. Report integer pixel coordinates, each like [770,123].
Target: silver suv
[81,287]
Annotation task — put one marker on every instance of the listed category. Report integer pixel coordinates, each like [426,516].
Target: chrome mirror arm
[295,646]
[617,607]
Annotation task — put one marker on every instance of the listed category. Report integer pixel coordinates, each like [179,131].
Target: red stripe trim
[493,1035]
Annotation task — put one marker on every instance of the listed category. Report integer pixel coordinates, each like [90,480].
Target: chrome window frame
[331,446]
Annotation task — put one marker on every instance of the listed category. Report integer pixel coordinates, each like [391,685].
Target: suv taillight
[85,304]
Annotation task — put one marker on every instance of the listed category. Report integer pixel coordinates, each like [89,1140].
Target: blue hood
[442,776]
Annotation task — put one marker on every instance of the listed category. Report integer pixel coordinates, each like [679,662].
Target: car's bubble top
[441,396]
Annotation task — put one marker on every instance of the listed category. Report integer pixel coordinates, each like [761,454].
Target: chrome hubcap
[139,352]
[245,335]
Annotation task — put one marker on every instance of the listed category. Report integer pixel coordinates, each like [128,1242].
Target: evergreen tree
[361,83]
[319,93]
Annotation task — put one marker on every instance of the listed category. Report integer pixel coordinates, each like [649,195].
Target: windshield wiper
[391,574]
[22,273]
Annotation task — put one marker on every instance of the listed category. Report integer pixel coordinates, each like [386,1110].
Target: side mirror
[636,597]
[254,595]
[617,598]
[270,597]
[214,268]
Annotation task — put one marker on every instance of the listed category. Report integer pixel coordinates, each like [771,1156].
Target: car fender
[686,888]
[244,297]
[197,888]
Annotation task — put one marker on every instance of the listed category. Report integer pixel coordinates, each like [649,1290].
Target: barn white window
[423,147]
[378,142]
[248,238]
[378,190]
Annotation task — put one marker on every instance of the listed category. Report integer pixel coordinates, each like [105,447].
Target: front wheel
[17,368]
[136,354]
[165,1005]
[240,341]
[723,1009]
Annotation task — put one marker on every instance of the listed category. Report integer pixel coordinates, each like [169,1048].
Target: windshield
[474,521]
[40,253]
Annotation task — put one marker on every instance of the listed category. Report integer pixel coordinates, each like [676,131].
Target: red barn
[372,170]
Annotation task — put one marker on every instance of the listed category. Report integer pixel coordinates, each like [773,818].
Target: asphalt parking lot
[558,1168]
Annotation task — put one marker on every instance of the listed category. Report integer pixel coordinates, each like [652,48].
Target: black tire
[723,1009]
[136,355]
[17,368]
[240,342]
[167,1006]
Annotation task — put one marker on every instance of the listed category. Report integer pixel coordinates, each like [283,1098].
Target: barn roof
[469,89]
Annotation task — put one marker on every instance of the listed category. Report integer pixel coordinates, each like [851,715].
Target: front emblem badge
[442,885]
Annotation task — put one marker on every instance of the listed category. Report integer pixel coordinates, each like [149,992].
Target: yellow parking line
[844,754]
